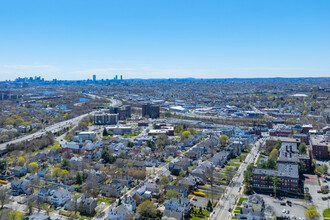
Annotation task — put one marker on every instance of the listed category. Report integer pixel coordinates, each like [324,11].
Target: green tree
[223,140]
[268,180]
[172,193]
[302,148]
[164,180]
[185,135]
[3,165]
[248,174]
[105,132]
[33,167]
[301,169]
[66,164]
[276,182]
[311,213]
[209,206]
[278,144]
[79,178]
[3,197]
[274,154]
[147,210]
[56,172]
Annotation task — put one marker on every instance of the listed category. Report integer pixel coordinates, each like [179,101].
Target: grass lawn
[240,201]
[236,160]
[230,168]
[326,213]
[234,164]
[196,218]
[205,212]
[244,154]
[105,200]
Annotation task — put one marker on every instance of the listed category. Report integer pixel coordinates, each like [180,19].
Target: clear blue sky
[69,39]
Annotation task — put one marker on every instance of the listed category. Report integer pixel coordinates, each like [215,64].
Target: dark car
[289,203]
[283,203]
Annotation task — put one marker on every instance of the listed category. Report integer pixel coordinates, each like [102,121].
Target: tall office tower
[116,77]
[94,78]
[121,77]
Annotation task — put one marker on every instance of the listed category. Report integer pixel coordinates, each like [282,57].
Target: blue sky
[69,39]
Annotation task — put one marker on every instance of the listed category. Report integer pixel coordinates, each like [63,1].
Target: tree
[172,193]
[21,161]
[302,148]
[192,131]
[185,135]
[66,164]
[29,207]
[79,178]
[274,154]
[224,140]
[106,156]
[3,165]
[268,180]
[56,172]
[147,210]
[301,168]
[3,197]
[105,132]
[209,206]
[278,144]
[164,180]
[248,174]
[33,167]
[276,182]
[311,213]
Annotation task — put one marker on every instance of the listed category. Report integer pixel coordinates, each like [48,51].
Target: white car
[284,211]
[287,211]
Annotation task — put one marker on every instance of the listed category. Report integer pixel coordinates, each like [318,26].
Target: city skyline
[242,39]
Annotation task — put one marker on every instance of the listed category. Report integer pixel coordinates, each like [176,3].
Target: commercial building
[150,111]
[105,119]
[120,130]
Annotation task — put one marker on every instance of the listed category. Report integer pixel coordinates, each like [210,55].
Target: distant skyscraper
[94,78]
[116,77]
[121,77]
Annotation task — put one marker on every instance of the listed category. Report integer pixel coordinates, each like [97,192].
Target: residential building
[150,111]
[319,147]
[286,173]
[124,112]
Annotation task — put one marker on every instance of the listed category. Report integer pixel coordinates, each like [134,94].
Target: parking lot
[199,201]
[313,188]
[295,210]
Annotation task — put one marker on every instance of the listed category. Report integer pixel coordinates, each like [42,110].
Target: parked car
[289,202]
[283,203]
[284,211]
[287,211]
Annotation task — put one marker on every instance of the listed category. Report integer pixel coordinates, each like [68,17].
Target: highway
[56,127]
[233,189]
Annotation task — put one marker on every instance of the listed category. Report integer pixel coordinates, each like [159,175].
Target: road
[56,127]
[232,192]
